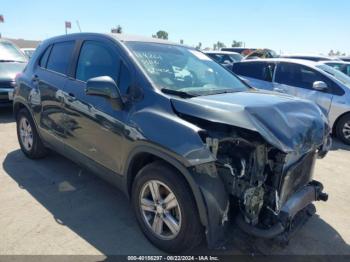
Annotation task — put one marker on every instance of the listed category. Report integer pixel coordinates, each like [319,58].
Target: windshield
[343,78]
[184,70]
[9,53]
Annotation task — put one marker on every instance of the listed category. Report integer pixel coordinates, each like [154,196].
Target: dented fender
[216,201]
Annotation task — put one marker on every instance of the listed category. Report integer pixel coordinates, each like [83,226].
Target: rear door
[297,80]
[257,74]
[94,128]
[49,78]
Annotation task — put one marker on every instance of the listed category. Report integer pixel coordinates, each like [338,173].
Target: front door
[93,127]
[298,80]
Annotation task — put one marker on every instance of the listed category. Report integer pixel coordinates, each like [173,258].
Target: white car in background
[315,58]
[28,52]
[342,66]
[225,58]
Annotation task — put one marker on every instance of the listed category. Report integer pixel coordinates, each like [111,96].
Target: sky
[288,26]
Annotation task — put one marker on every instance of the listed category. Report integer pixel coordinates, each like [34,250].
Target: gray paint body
[89,131]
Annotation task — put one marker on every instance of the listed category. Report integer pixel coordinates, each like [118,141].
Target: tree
[161,34]
[237,43]
[337,53]
[199,46]
[117,30]
[218,45]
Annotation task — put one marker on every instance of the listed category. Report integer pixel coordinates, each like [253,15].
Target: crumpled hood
[288,123]
[9,70]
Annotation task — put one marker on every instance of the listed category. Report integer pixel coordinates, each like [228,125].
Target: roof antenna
[78,25]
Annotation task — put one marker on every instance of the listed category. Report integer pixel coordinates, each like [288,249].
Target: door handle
[70,97]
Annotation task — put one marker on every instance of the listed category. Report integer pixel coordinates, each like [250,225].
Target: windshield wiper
[177,93]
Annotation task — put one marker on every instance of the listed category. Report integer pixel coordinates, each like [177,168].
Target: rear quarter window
[44,57]
[60,57]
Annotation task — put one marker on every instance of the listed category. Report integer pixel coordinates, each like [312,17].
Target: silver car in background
[316,81]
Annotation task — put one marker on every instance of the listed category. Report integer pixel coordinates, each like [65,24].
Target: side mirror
[319,86]
[105,86]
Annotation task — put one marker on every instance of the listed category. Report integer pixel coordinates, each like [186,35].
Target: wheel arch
[17,106]
[145,155]
[337,121]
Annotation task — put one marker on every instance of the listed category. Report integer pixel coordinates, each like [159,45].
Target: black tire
[190,233]
[344,120]
[37,150]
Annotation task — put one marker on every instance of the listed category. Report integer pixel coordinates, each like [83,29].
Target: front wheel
[165,208]
[343,129]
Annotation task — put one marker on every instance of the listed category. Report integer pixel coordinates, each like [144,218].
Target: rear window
[60,57]
[257,70]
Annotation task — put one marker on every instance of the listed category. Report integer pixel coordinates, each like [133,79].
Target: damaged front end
[269,187]
[268,179]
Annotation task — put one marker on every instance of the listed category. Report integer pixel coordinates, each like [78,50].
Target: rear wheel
[165,208]
[28,137]
[343,129]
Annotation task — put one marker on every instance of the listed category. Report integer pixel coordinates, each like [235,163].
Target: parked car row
[12,62]
[318,82]
[190,143]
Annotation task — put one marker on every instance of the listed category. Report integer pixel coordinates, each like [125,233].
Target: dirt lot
[52,206]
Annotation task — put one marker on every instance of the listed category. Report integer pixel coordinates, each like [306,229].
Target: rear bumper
[297,203]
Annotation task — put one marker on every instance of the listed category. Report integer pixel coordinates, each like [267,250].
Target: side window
[60,57]
[258,70]
[97,59]
[44,57]
[285,74]
[309,76]
[301,76]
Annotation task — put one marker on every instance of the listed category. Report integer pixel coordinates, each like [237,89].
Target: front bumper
[6,96]
[298,202]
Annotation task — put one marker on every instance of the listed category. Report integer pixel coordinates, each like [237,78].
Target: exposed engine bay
[263,180]
[259,157]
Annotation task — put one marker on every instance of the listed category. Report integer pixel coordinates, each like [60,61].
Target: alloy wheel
[346,130]
[26,133]
[160,209]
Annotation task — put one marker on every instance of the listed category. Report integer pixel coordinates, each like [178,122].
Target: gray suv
[316,81]
[180,135]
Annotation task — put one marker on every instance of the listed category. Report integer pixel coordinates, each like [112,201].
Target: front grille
[297,176]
